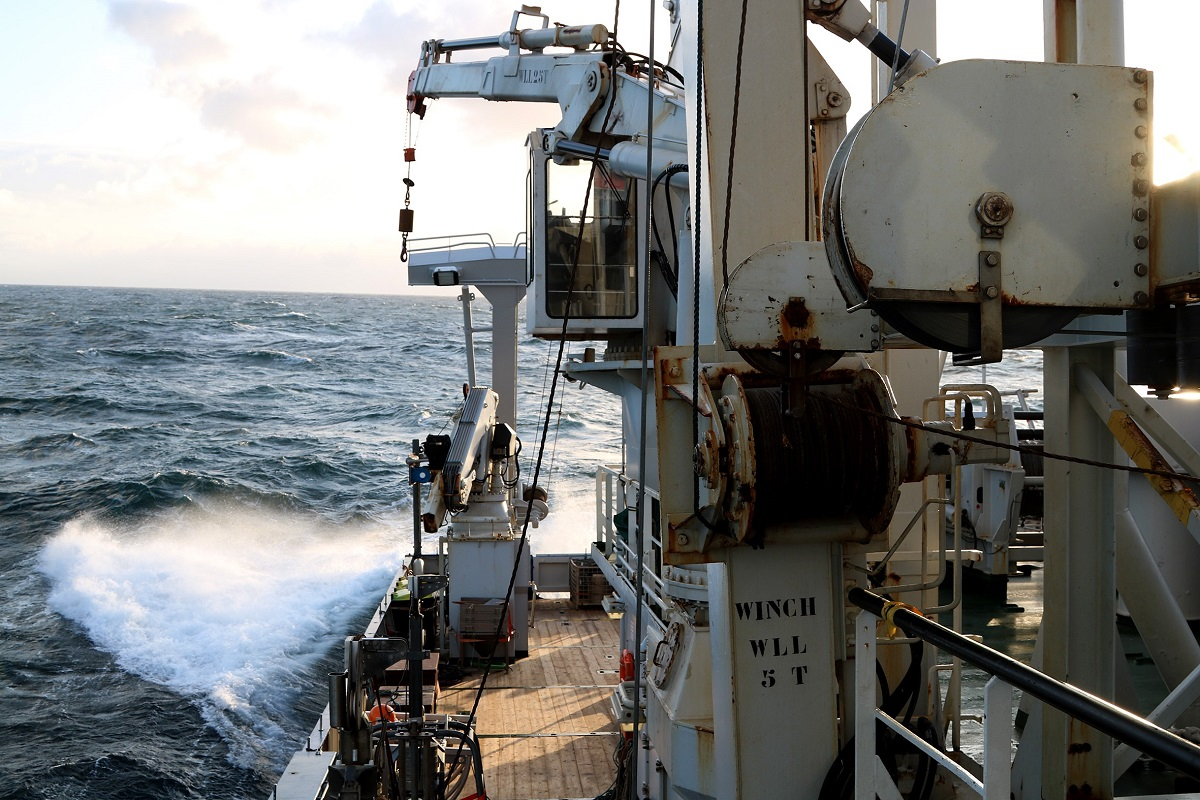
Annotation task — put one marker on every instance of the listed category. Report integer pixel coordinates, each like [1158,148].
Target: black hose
[473,746]
[671,275]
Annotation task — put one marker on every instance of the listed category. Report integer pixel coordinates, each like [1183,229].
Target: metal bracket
[991,314]
[797,385]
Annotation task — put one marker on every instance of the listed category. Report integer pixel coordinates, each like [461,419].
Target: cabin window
[605,280]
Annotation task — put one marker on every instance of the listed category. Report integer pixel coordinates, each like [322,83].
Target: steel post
[1080,591]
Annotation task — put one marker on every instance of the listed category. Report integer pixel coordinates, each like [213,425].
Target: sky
[257,144]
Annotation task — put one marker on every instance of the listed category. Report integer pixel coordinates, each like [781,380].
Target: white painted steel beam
[1153,423]
[1167,712]
[1078,632]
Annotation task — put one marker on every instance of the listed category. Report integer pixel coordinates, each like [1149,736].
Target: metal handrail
[1087,708]
[451,241]
[653,586]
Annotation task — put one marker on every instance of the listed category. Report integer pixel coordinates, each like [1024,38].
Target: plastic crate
[588,584]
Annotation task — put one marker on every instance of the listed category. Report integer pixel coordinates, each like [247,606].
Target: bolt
[992,292]
[675,371]
[1138,160]
[874,328]
[835,99]
[1141,104]
[1141,187]
[992,259]
[1140,270]
[1141,131]
[1141,242]
[874,344]
[1140,76]
[1141,298]
[824,112]
[681,539]
[1141,214]
[993,208]
[797,355]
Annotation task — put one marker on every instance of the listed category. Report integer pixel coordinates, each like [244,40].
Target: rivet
[797,355]
[992,292]
[1140,76]
[1141,214]
[1140,270]
[1141,187]
[1138,160]
[1141,298]
[1141,242]
[992,259]
[874,328]
[1141,132]
[874,344]
[1140,104]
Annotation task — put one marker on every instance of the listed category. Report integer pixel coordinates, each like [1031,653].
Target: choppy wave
[226,607]
[271,356]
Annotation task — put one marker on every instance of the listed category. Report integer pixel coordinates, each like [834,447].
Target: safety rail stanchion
[1088,709]
[871,778]
[997,738]
[864,708]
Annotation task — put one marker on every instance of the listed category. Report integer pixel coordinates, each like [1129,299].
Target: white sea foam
[571,524]
[230,609]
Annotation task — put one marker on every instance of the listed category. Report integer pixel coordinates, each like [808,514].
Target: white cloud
[263,114]
[176,34]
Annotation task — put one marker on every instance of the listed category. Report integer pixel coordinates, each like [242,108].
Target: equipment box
[588,584]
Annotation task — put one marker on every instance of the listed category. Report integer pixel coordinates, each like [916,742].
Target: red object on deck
[626,665]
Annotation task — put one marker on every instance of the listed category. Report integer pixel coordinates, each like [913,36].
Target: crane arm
[577,82]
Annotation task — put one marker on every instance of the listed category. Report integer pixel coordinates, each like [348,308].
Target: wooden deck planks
[530,717]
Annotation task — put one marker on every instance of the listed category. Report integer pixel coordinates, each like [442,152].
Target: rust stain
[910,436]
[862,272]
[795,325]
[1084,792]
[796,314]
[1181,499]
[1013,300]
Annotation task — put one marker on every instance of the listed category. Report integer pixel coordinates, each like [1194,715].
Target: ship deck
[546,726]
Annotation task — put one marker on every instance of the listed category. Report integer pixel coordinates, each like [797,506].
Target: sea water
[202,493]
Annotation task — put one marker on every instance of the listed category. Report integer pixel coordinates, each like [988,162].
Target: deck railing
[871,777]
[612,489]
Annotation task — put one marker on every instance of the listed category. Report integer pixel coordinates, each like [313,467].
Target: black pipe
[885,50]
[1100,714]
[580,150]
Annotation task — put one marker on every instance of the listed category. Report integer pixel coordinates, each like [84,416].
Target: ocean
[202,493]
